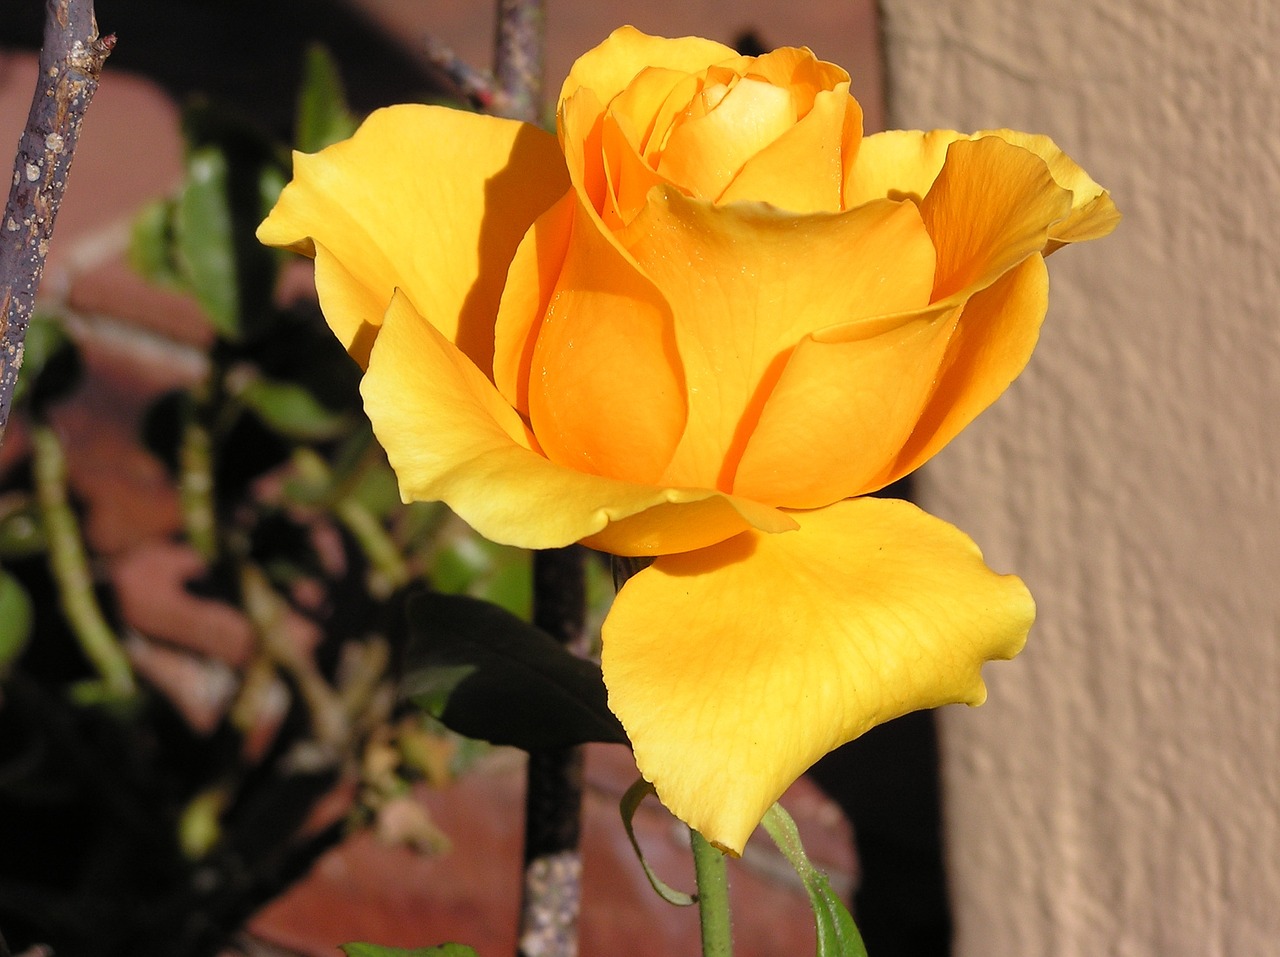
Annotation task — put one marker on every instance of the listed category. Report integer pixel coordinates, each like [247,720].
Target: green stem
[711,873]
[70,567]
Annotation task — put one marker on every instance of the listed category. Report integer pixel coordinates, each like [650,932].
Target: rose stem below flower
[711,873]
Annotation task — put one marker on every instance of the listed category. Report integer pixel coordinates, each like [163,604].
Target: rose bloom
[701,324]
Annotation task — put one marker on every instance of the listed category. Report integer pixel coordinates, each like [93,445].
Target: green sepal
[291,410]
[323,117]
[373,950]
[204,246]
[628,806]
[17,617]
[484,673]
[837,933]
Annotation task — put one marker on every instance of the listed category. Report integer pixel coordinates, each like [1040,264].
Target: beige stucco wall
[1120,792]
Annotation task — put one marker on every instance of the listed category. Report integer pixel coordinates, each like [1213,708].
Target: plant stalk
[70,566]
[712,875]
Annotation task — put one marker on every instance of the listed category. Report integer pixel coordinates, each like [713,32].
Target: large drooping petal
[746,282]
[610,67]
[423,199]
[786,646]
[451,437]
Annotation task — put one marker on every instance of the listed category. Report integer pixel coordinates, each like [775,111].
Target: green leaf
[204,244]
[292,411]
[628,806]
[486,674]
[323,116]
[462,562]
[17,617]
[837,933]
[151,244]
[373,950]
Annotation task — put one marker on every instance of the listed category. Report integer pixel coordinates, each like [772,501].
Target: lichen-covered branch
[518,59]
[70,63]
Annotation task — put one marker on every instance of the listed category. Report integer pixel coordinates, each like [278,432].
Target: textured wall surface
[1120,792]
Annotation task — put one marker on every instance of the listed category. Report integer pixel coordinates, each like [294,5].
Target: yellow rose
[701,324]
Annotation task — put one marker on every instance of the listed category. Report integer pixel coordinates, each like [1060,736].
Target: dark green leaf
[837,934]
[486,674]
[292,411]
[204,243]
[16,618]
[373,950]
[323,117]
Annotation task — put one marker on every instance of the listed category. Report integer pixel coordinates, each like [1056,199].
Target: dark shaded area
[888,783]
[247,54]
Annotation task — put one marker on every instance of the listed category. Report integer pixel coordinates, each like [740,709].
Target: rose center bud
[723,127]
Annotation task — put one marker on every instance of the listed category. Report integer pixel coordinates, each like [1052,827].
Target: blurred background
[1118,794]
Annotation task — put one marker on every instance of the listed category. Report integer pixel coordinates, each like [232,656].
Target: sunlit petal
[991,345]
[825,137]
[427,200]
[846,402]
[450,437]
[608,68]
[606,392]
[734,668]
[989,209]
[747,282]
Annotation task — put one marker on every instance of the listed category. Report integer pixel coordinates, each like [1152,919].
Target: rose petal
[844,405]
[989,209]
[610,67]
[746,283]
[896,164]
[1093,214]
[606,394]
[531,280]
[425,199]
[450,437]
[703,155]
[734,668]
[821,141]
[990,347]
[800,71]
